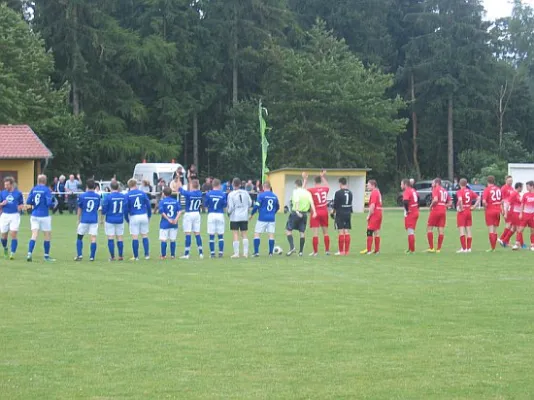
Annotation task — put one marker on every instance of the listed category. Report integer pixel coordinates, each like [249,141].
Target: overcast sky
[497,8]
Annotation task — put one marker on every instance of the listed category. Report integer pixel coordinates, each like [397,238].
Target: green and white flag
[264,142]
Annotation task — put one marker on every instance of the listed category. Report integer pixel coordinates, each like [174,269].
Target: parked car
[424,190]
[106,184]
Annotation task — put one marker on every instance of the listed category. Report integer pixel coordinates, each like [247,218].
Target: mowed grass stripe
[393,326]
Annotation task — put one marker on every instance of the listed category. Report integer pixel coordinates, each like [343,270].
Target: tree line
[406,87]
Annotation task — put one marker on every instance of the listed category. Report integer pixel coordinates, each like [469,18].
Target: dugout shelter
[283,182]
[22,155]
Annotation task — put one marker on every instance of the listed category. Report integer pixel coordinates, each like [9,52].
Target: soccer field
[427,326]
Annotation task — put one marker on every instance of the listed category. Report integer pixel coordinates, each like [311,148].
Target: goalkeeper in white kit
[239,203]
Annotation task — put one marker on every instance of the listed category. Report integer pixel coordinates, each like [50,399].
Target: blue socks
[146,247]
[199,243]
[212,244]
[14,244]
[173,249]
[111,248]
[4,243]
[135,248]
[187,244]
[164,249]
[221,244]
[93,250]
[46,246]
[120,246]
[31,246]
[256,245]
[271,246]
[79,247]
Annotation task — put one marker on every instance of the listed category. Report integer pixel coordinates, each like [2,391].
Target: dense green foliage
[405,87]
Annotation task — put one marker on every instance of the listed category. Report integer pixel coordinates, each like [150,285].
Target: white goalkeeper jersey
[239,203]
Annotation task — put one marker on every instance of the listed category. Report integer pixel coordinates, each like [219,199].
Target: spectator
[72,188]
[249,186]
[259,187]
[412,182]
[192,173]
[206,187]
[175,185]
[159,191]
[145,187]
[54,184]
[59,188]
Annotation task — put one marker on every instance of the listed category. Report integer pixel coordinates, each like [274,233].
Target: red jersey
[443,199]
[528,203]
[506,191]
[319,195]
[376,199]
[467,196]
[492,196]
[515,202]
[410,195]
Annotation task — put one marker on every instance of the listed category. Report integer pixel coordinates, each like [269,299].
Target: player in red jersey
[526,218]
[410,199]
[438,215]
[374,219]
[492,201]
[513,215]
[320,199]
[506,191]
[464,218]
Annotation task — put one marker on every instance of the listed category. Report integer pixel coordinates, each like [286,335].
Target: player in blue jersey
[268,205]
[88,205]
[11,204]
[139,213]
[216,203]
[170,211]
[114,208]
[41,201]
[191,224]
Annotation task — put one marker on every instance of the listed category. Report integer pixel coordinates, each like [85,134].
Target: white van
[153,172]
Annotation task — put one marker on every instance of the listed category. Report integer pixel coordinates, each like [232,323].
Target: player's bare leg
[235,243]
[244,237]
[187,249]
[291,242]
[463,239]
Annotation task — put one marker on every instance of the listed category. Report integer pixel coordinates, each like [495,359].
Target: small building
[22,155]
[283,183]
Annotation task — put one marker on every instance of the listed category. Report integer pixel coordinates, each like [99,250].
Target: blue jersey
[193,200]
[88,203]
[138,203]
[170,207]
[14,199]
[268,205]
[215,201]
[41,199]
[114,207]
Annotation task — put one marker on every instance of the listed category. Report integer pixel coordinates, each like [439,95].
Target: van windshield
[166,176]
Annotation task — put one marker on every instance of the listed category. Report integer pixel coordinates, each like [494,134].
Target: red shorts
[319,221]
[493,217]
[527,221]
[410,221]
[464,219]
[375,222]
[437,219]
[513,218]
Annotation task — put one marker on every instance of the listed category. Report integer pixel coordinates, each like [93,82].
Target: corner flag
[264,142]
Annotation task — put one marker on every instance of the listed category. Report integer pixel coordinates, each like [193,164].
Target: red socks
[531,240]
[377,244]
[341,243]
[505,234]
[463,242]
[430,237]
[469,241]
[369,243]
[347,244]
[411,243]
[520,238]
[315,242]
[327,243]
[508,236]
[493,240]
[440,241]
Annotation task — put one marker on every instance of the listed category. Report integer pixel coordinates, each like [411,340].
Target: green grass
[427,326]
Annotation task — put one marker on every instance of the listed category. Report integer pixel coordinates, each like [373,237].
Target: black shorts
[296,223]
[239,226]
[343,221]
